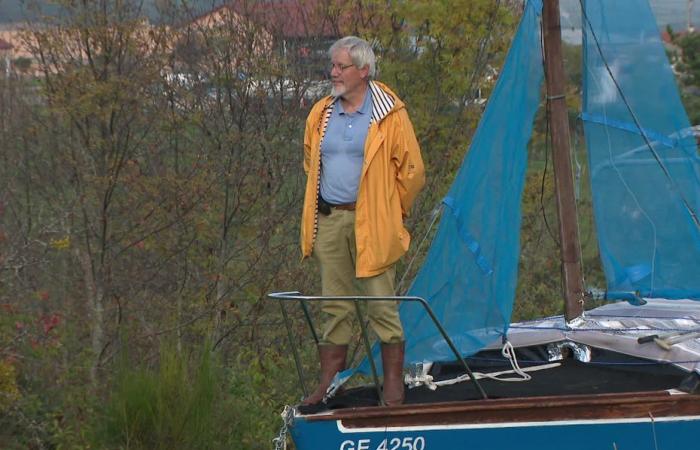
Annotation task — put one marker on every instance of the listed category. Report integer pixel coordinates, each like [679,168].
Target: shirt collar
[366,107]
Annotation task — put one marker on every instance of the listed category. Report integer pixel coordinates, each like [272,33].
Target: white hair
[360,52]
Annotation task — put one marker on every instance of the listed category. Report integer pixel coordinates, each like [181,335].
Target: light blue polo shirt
[343,152]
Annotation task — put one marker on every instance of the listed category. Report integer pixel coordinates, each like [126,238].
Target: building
[296,33]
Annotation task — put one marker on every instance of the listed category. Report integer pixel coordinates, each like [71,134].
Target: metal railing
[303,299]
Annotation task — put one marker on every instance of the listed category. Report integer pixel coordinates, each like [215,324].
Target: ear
[364,72]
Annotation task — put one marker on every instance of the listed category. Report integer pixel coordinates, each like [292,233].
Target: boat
[624,375]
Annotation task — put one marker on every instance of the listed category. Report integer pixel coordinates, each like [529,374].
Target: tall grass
[197,403]
[171,407]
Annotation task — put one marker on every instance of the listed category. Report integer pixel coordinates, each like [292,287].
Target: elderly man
[364,170]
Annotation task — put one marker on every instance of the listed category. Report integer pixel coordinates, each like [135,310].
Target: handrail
[302,299]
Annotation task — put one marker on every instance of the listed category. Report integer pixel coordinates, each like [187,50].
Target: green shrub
[172,407]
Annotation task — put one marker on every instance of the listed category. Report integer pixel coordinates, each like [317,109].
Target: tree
[152,186]
[100,66]
[441,64]
[689,68]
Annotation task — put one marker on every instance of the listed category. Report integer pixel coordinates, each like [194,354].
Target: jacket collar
[383,101]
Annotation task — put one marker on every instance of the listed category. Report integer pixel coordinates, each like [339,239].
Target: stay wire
[546,165]
[546,147]
[435,213]
[483,45]
[637,123]
[544,178]
[577,194]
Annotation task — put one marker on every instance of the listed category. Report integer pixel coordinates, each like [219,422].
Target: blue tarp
[470,273]
[644,163]
[644,168]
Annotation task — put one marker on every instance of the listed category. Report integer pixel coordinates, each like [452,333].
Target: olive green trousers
[335,250]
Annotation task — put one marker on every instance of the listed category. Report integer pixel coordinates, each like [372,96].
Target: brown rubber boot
[332,361]
[392,362]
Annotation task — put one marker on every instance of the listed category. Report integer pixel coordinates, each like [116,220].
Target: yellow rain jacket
[392,175]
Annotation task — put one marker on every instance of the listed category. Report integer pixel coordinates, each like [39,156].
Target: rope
[509,352]
[435,214]
[480,54]
[602,363]
[280,442]
[653,431]
[602,329]
[572,149]
[634,197]
[546,152]
[427,380]
[424,379]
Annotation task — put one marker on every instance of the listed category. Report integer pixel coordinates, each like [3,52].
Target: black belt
[345,206]
[325,208]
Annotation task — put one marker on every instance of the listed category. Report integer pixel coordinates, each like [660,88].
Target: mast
[561,156]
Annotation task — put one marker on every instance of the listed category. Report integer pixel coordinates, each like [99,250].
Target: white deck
[617,327]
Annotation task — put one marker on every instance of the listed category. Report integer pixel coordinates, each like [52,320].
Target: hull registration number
[407,443]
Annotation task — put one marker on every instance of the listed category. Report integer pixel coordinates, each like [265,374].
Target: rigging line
[597,316]
[479,66]
[546,147]
[480,54]
[546,152]
[483,45]
[610,155]
[574,151]
[616,316]
[578,221]
[544,177]
[657,157]
[478,69]
[435,213]
[636,202]
[544,174]
[632,331]
[653,431]
[476,359]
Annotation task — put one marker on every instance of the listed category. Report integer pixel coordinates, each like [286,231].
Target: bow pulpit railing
[303,300]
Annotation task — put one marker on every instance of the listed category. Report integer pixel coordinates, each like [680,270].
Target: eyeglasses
[341,67]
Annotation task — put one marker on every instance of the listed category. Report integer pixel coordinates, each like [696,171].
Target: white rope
[427,380]
[280,442]
[422,378]
[508,352]
[496,375]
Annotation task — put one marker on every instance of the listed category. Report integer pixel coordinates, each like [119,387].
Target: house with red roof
[296,32]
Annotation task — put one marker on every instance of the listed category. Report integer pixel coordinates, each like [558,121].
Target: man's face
[345,76]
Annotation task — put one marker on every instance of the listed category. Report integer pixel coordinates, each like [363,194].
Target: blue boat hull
[666,433]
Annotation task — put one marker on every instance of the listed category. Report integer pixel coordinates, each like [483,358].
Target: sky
[16,10]
[674,12]
[667,12]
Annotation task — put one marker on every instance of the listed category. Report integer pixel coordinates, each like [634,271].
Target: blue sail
[470,272]
[643,159]
[469,275]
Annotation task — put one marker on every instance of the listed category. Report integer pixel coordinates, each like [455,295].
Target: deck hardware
[297,296]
